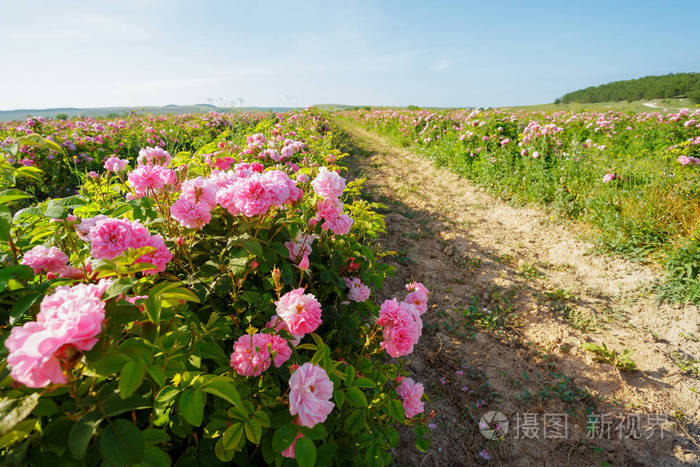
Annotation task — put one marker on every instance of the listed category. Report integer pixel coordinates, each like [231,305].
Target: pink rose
[358,292]
[411,393]
[300,311]
[328,184]
[310,391]
[40,258]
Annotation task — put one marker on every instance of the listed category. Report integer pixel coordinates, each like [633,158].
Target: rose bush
[206,307]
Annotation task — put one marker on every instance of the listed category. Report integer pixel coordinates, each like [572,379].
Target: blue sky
[287,53]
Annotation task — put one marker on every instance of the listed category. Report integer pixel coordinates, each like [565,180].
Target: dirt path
[515,296]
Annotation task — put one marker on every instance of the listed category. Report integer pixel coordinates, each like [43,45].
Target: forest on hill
[648,87]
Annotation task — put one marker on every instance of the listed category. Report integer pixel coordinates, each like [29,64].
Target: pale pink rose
[310,391]
[191,214]
[609,178]
[304,263]
[329,208]
[411,393]
[75,314]
[153,156]
[149,178]
[358,292]
[71,316]
[200,190]
[300,311]
[418,296]
[83,229]
[31,357]
[328,184]
[339,225]
[115,164]
[40,258]
[280,186]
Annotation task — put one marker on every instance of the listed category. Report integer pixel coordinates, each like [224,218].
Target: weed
[686,363]
[620,360]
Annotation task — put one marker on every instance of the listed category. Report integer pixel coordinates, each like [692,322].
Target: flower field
[635,178]
[197,290]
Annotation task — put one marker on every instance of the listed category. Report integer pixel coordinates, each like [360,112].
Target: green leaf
[326,454]
[26,212]
[117,406]
[364,383]
[131,377]
[339,396]
[284,437]
[45,407]
[5,220]
[12,195]
[253,430]
[154,457]
[22,304]
[315,433]
[82,432]
[174,296]
[220,387]
[423,440]
[349,376]
[119,287]
[191,405]
[157,373]
[262,417]
[223,454]
[121,443]
[109,364]
[357,397]
[155,436]
[305,452]
[18,413]
[238,261]
[396,410]
[233,436]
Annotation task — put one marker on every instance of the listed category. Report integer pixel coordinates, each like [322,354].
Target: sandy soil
[515,296]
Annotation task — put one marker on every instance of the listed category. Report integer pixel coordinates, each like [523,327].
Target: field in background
[634,177]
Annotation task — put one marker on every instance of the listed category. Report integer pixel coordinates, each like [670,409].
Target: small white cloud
[440,65]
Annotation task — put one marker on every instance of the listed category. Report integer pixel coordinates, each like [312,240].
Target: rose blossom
[191,214]
[40,258]
[358,292]
[402,327]
[328,184]
[411,393]
[114,164]
[339,225]
[253,354]
[153,156]
[71,316]
[310,391]
[300,311]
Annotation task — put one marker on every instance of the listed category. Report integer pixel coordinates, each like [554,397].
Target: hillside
[648,87]
[18,114]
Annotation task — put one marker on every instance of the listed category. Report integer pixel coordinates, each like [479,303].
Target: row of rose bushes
[206,308]
[81,145]
[635,177]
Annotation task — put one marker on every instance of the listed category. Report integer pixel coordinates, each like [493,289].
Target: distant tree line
[648,87]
